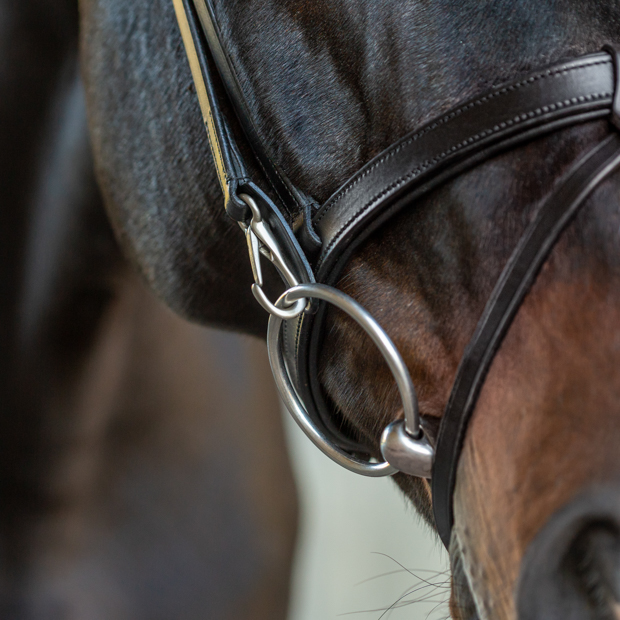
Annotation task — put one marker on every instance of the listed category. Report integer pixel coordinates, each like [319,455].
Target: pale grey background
[349,525]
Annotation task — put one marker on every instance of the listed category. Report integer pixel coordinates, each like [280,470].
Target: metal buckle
[261,241]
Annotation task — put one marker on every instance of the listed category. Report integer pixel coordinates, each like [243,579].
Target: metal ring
[389,352]
[378,335]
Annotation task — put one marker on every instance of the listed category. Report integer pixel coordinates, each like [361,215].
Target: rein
[310,245]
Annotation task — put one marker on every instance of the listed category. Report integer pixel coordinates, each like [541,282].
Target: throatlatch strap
[514,283]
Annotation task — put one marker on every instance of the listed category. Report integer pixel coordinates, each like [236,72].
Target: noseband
[310,244]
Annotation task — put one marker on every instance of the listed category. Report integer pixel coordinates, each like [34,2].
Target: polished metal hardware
[261,242]
[406,453]
[403,444]
[403,439]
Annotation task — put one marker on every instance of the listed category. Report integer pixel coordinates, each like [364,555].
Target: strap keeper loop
[615,106]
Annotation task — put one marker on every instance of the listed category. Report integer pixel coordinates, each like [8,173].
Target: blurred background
[362,551]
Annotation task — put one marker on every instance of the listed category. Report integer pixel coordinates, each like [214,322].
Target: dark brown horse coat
[329,86]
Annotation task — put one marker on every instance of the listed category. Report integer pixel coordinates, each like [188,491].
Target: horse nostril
[571,570]
[594,561]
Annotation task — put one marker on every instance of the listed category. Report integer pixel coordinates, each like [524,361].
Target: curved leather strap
[514,283]
[564,94]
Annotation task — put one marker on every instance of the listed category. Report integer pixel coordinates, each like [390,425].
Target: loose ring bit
[296,408]
[406,449]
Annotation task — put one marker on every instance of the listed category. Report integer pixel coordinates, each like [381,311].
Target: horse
[329,86]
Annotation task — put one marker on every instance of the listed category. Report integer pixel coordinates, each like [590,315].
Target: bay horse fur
[138,477]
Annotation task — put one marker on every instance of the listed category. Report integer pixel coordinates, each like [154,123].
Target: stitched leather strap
[514,283]
[565,94]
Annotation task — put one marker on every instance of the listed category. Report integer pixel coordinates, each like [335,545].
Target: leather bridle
[311,244]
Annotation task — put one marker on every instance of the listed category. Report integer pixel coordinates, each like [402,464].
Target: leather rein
[310,244]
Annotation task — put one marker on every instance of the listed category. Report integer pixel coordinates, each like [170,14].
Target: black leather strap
[565,94]
[296,202]
[514,283]
[229,164]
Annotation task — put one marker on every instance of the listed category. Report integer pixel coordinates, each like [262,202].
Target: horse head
[329,86]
